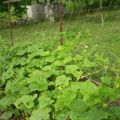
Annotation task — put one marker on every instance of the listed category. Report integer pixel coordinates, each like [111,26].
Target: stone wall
[37,11]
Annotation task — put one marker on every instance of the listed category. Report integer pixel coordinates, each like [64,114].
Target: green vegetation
[80,80]
[107,36]
[42,84]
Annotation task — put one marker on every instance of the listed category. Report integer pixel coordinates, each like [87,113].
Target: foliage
[38,83]
[20,7]
[91,4]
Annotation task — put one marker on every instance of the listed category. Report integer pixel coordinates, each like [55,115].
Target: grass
[107,37]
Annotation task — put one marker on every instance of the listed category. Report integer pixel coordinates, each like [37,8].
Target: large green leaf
[6,115]
[36,75]
[106,80]
[65,99]
[78,105]
[47,68]
[87,88]
[96,114]
[62,80]
[34,86]
[7,75]
[62,116]
[26,101]
[39,53]
[13,87]
[67,60]
[75,86]
[90,93]
[44,101]
[106,91]
[116,111]
[78,74]
[21,52]
[40,114]
[50,59]
[7,101]
[32,48]
[58,63]
[89,64]
[70,69]
[38,81]
[45,53]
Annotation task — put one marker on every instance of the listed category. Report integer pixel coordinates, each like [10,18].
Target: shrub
[41,84]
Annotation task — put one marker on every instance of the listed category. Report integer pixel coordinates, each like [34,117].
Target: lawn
[107,37]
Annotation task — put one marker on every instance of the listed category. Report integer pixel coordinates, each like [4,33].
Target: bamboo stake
[60,21]
[10,24]
[101,9]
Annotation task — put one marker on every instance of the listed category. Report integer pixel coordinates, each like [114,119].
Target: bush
[41,84]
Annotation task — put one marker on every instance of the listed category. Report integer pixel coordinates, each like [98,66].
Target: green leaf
[62,80]
[26,100]
[47,68]
[106,80]
[24,91]
[106,91]
[6,115]
[39,53]
[87,88]
[34,86]
[40,114]
[50,59]
[73,115]
[96,114]
[21,52]
[7,101]
[116,111]
[34,63]
[59,48]
[89,64]
[62,116]
[45,53]
[7,75]
[78,58]
[43,101]
[78,74]
[8,85]
[32,48]
[67,60]
[75,86]
[13,87]
[92,99]
[70,69]
[90,93]
[53,72]
[38,81]
[36,75]
[78,105]
[58,63]
[65,99]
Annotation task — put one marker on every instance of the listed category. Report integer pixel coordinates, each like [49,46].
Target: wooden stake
[101,10]
[10,25]
[60,21]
